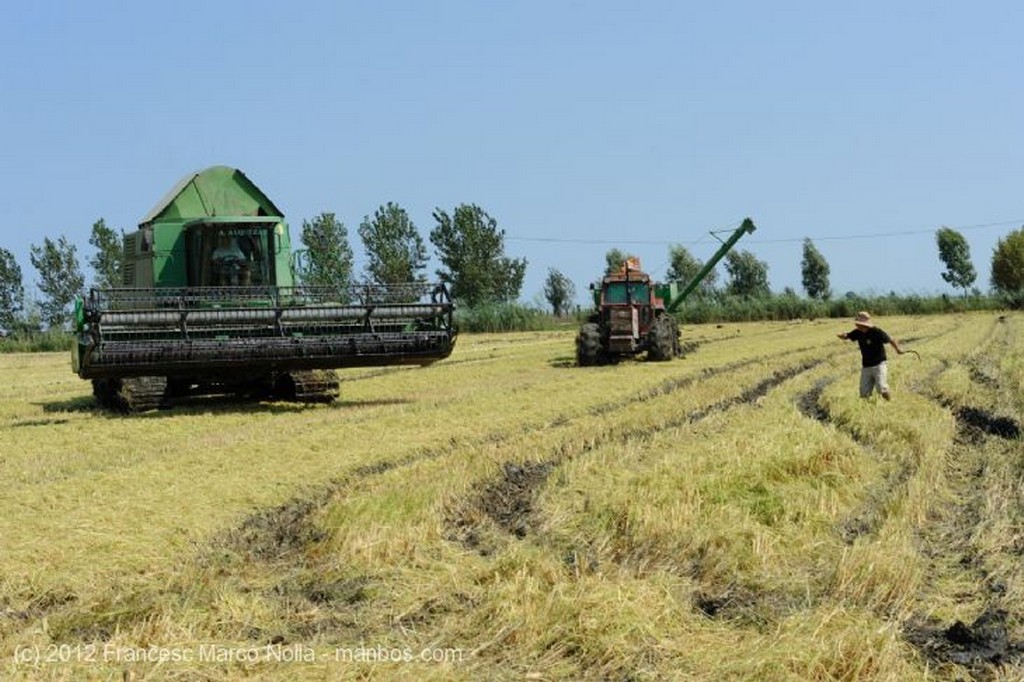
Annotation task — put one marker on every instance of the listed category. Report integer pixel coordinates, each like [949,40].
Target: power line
[782,240]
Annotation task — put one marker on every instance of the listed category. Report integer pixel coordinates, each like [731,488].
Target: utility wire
[782,240]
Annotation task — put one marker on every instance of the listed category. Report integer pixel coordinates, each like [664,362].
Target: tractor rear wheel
[588,346]
[663,339]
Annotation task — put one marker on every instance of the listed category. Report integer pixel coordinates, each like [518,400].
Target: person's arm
[895,344]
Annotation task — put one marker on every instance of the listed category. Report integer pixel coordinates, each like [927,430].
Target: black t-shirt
[872,345]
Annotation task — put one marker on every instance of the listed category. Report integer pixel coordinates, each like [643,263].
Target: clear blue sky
[598,123]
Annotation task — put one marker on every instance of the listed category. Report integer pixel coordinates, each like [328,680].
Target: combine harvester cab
[210,305]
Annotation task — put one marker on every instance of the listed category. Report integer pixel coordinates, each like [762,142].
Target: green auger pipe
[747,227]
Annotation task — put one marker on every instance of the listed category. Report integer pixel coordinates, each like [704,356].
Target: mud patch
[913,339]
[974,423]
[724,604]
[745,606]
[983,377]
[337,591]
[36,606]
[508,502]
[318,606]
[279,531]
[675,384]
[984,642]
[810,405]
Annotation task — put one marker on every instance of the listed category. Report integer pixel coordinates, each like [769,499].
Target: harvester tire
[589,351]
[663,339]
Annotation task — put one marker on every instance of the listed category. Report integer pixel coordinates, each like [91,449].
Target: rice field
[739,513]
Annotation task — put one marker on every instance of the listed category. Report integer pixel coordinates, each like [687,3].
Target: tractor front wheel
[588,346]
[663,339]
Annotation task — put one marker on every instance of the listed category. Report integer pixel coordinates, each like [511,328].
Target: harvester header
[211,303]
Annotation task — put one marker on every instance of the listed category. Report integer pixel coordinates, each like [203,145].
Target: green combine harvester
[211,304]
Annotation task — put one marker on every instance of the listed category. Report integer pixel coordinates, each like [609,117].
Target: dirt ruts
[809,403]
[509,499]
[986,642]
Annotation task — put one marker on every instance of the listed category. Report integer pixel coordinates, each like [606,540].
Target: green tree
[60,278]
[559,291]
[472,249]
[683,267]
[1008,267]
[12,291]
[106,262]
[614,259]
[328,260]
[814,271]
[394,249]
[956,256]
[748,276]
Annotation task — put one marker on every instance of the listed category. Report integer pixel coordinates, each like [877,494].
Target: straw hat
[863,319]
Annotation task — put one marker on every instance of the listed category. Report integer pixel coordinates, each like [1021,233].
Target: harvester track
[131,394]
[310,386]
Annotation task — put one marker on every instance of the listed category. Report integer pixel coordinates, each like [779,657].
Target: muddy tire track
[872,512]
[809,403]
[870,515]
[509,500]
[985,643]
[282,534]
[263,534]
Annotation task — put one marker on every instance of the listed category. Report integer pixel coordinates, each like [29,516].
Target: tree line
[748,276]
[470,248]
[468,244]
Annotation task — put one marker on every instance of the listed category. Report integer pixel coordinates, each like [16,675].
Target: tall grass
[503,317]
[514,317]
[36,342]
[723,308]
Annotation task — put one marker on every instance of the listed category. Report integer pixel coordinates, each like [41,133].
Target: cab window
[232,255]
[637,292]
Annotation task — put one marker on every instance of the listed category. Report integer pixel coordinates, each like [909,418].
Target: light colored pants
[872,378]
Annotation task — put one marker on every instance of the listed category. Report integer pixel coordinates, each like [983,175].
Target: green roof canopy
[217,191]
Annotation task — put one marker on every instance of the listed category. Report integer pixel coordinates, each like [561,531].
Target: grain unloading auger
[210,306]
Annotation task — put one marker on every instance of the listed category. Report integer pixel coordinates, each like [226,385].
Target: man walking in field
[872,340]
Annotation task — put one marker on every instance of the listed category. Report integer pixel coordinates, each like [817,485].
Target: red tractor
[634,315]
